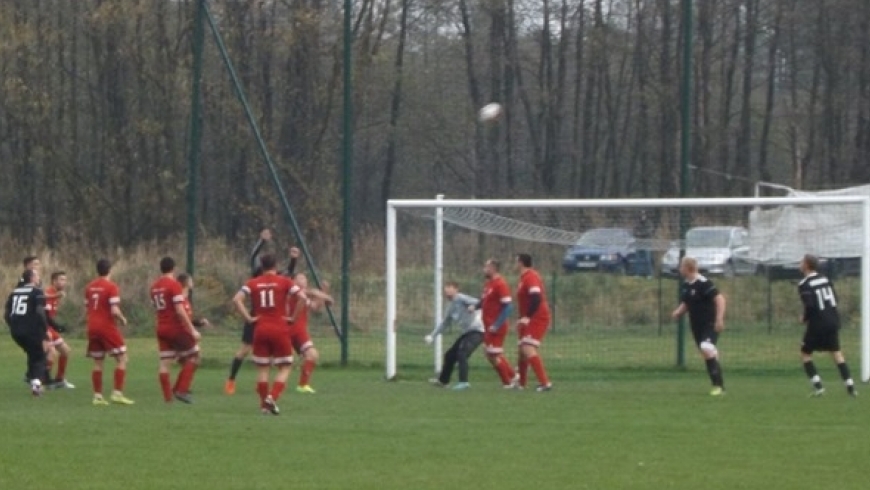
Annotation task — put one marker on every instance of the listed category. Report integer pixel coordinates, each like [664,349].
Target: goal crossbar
[438,205]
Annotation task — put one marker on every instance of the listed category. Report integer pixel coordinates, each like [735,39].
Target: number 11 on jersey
[267,298]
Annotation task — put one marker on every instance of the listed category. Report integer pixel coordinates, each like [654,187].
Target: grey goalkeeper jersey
[457,313]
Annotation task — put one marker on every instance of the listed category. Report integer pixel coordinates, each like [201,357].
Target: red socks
[277,389]
[504,371]
[538,366]
[164,385]
[61,367]
[97,381]
[524,371]
[119,379]
[305,375]
[263,390]
[185,378]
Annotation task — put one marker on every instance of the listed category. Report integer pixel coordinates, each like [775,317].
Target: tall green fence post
[347,168]
[195,135]
[685,153]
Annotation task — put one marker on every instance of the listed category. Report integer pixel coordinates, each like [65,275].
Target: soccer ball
[490,112]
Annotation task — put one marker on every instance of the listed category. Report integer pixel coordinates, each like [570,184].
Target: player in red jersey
[495,306]
[299,336]
[103,304]
[186,281]
[269,293]
[534,321]
[59,351]
[176,336]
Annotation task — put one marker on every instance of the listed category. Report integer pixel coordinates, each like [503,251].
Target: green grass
[600,429]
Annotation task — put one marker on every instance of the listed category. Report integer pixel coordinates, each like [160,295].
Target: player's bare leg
[310,357]
[533,359]
[97,382]
[118,381]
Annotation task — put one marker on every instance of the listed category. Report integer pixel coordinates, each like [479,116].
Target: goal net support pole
[439,205]
[439,280]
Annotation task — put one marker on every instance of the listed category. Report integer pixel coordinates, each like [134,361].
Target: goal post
[499,217]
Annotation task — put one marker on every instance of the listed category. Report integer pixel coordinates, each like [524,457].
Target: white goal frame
[439,204]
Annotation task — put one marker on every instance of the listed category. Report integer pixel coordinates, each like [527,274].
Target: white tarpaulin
[782,235]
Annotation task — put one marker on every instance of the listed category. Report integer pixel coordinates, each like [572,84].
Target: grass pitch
[598,430]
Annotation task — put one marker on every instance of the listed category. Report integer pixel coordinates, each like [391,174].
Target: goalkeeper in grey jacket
[461,312]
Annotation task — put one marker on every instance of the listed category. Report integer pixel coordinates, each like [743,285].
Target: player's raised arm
[265,236]
[294,260]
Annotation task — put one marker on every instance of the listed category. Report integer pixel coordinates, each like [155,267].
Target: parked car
[720,250]
[601,249]
[833,268]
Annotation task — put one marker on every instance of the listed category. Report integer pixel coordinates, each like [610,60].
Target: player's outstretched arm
[294,260]
[453,310]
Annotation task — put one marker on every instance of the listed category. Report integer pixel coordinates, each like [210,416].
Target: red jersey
[496,294]
[299,312]
[166,292]
[100,295]
[530,283]
[52,301]
[269,294]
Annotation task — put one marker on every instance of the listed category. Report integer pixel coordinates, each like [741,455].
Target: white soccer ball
[490,112]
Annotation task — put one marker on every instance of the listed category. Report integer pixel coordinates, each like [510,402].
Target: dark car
[601,249]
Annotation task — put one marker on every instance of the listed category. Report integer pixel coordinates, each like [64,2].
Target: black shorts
[821,339]
[248,334]
[706,334]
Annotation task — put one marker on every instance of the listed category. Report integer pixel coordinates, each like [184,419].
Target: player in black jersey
[823,324]
[25,315]
[706,308]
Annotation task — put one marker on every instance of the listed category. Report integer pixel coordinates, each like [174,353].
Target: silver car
[719,250]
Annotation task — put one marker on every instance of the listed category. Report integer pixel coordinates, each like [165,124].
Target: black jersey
[699,296]
[25,311]
[820,302]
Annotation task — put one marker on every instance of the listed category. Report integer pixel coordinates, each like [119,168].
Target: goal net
[610,269]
